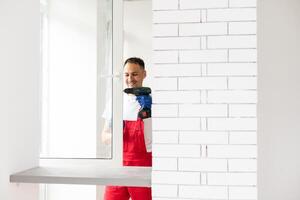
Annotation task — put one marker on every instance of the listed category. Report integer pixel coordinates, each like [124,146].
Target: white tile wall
[242,55]
[245,179]
[165,5]
[199,164]
[203,56]
[238,124]
[203,137]
[231,69]
[167,137]
[243,83]
[231,151]
[197,29]
[242,28]
[165,57]
[236,41]
[201,83]
[165,84]
[176,97]
[231,14]
[164,191]
[176,43]
[193,4]
[242,110]
[176,150]
[240,193]
[242,165]
[165,177]
[170,29]
[231,96]
[245,137]
[203,192]
[164,163]
[177,70]
[178,16]
[165,110]
[242,3]
[204,111]
[176,124]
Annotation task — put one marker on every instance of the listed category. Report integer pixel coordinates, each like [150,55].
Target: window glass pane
[77,82]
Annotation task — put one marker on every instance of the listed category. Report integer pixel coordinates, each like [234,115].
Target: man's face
[133,75]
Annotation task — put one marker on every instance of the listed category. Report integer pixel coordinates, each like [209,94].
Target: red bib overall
[134,154]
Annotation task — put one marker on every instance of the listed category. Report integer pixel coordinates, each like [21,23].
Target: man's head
[134,72]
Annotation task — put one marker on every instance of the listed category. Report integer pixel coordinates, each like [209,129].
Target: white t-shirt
[131,108]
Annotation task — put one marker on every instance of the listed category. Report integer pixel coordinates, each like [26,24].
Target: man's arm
[106,132]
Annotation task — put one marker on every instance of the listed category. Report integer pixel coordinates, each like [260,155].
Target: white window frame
[84,170]
[117,139]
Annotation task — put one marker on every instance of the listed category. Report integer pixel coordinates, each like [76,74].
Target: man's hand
[145,101]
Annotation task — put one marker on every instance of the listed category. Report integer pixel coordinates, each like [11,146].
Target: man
[136,132]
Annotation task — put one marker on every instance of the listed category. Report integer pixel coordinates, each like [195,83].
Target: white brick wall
[196,29]
[192,4]
[231,14]
[204,94]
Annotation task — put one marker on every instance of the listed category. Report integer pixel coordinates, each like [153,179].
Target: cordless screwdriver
[139,91]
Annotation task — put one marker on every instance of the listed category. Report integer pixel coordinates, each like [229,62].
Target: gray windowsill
[126,176]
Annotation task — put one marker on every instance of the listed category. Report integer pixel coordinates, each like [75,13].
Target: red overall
[134,154]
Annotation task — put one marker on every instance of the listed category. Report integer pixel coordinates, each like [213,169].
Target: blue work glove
[145,101]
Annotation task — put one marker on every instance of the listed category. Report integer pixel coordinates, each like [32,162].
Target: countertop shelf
[125,176]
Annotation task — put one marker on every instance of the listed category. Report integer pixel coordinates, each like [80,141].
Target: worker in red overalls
[137,132]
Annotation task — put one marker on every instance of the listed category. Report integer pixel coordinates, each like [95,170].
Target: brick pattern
[204,111]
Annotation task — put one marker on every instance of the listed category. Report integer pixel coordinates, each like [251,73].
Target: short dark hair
[135,60]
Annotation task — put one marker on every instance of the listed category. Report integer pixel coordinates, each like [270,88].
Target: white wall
[19,102]
[205,99]
[279,100]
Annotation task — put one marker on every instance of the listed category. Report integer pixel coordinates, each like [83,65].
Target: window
[68,170]
[81,82]
[82,51]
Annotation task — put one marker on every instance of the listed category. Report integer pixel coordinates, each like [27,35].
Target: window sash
[117,139]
